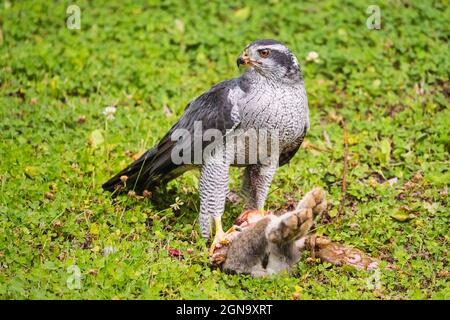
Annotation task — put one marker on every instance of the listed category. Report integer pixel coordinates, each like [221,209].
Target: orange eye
[263,53]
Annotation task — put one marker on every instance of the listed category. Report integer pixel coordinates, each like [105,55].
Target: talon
[219,236]
[232,229]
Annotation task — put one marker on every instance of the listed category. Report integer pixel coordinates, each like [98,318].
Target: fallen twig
[327,140]
[344,172]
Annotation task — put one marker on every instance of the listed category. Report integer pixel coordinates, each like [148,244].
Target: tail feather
[134,174]
[152,169]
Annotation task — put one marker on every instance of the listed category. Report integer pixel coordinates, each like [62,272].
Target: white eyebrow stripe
[278,47]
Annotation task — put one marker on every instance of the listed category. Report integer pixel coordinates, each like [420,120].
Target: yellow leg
[219,235]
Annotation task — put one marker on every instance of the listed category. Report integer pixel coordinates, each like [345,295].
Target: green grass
[391,86]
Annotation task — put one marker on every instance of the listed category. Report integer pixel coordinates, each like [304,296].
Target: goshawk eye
[264,53]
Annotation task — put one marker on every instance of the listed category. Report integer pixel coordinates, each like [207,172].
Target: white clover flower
[109,112]
[312,56]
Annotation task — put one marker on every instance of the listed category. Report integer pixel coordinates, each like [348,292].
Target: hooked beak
[240,61]
[243,59]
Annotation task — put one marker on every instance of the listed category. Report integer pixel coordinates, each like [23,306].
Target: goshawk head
[271,59]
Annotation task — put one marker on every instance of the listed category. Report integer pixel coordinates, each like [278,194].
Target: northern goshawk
[268,97]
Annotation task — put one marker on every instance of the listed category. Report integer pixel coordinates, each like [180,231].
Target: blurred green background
[149,59]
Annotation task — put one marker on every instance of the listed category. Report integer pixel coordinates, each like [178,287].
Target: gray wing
[288,154]
[215,109]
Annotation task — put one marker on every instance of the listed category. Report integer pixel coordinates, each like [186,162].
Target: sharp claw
[232,229]
[219,237]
